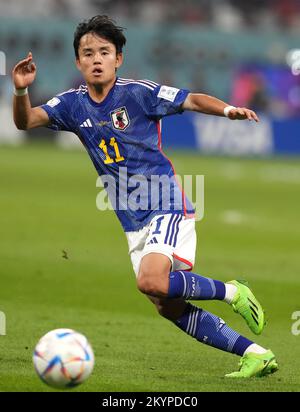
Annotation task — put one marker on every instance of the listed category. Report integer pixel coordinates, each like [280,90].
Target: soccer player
[118,122]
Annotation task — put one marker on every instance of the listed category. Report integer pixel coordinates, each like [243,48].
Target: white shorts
[172,235]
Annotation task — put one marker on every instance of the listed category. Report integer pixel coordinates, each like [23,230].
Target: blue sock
[211,330]
[188,285]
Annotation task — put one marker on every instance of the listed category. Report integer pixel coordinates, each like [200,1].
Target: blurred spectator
[288,12]
[249,90]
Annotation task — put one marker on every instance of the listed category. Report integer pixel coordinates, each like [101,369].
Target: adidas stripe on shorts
[172,235]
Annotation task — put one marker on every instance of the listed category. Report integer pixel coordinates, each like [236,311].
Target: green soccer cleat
[255,365]
[246,304]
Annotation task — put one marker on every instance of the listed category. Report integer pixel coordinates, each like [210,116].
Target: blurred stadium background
[242,52]
[246,53]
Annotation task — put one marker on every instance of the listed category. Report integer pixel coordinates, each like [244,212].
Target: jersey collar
[107,98]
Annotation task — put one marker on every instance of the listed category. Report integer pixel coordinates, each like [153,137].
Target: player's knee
[152,282]
[148,285]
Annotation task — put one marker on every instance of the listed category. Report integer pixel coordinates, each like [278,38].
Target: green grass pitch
[251,229]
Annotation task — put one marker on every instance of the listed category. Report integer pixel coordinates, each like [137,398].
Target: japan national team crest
[120,118]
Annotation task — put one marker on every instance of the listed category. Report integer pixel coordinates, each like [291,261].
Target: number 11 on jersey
[114,144]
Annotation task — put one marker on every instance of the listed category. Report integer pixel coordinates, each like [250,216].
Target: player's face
[98,59]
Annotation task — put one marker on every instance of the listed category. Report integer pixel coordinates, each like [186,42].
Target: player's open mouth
[97,72]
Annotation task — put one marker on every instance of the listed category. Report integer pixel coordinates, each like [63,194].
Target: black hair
[104,27]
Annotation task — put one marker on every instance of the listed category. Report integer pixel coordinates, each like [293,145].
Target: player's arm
[204,103]
[25,116]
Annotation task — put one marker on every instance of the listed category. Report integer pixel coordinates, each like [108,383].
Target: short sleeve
[163,101]
[59,111]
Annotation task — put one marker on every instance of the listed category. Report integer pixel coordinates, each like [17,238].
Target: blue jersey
[122,136]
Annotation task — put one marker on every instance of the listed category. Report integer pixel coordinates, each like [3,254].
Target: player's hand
[24,72]
[241,113]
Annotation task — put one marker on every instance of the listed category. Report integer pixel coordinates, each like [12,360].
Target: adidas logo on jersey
[87,123]
[153,240]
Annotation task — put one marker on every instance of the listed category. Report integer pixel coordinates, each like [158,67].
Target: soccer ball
[63,358]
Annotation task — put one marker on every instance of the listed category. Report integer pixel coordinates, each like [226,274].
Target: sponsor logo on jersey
[120,118]
[168,93]
[53,102]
